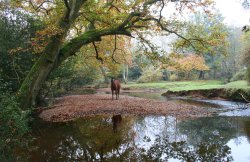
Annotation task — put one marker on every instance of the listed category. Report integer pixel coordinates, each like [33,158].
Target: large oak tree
[72,24]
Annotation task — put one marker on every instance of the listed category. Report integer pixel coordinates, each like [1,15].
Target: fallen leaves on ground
[75,106]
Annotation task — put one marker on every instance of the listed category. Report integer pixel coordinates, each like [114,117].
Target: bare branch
[113,6]
[129,18]
[40,6]
[163,5]
[244,98]
[113,53]
[97,54]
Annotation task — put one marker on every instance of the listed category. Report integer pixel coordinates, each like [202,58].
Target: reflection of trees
[246,127]
[116,119]
[88,139]
[217,129]
[106,138]
[55,143]
[163,150]
[98,139]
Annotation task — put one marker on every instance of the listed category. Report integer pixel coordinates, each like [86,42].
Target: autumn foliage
[189,63]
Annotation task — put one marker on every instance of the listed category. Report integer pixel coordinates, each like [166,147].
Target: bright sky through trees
[233,12]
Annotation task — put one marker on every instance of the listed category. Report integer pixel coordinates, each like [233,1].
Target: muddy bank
[75,106]
[129,90]
[224,94]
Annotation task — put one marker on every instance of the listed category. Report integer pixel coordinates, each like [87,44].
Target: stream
[223,137]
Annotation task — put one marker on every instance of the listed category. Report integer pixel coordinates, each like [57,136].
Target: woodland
[49,48]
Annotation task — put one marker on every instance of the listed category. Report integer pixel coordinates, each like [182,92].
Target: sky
[233,12]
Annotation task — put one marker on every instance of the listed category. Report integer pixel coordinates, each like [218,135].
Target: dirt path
[75,106]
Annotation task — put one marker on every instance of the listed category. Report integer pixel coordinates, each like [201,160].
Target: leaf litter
[75,106]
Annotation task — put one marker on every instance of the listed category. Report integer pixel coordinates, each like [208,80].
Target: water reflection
[163,150]
[221,107]
[133,138]
[116,119]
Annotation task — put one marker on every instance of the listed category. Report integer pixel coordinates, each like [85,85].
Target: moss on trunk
[33,82]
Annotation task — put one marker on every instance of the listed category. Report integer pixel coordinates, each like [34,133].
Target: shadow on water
[150,138]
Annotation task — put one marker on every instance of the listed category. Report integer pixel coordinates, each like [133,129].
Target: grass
[238,84]
[188,85]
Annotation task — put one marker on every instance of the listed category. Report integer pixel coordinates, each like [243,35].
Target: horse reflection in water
[115,86]
[116,119]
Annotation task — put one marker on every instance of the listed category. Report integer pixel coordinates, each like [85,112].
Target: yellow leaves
[15,50]
[18,50]
[106,51]
[50,31]
[115,48]
[189,63]
[38,1]
[42,37]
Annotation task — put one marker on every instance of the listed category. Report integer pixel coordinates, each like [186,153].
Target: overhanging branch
[90,36]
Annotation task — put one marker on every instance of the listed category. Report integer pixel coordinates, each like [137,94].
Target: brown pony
[115,86]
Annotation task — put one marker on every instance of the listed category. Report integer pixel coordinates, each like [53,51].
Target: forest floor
[74,106]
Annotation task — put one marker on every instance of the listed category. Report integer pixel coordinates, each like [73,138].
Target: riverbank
[211,89]
[75,106]
[220,93]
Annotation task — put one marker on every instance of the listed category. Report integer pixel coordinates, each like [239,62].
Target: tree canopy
[70,25]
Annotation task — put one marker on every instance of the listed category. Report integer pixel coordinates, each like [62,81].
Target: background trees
[17,30]
[16,58]
[246,54]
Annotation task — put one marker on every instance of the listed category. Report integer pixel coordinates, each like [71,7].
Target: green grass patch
[238,84]
[188,85]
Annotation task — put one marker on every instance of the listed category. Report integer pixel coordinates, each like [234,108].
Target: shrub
[240,75]
[173,77]
[248,75]
[13,128]
[206,76]
[150,75]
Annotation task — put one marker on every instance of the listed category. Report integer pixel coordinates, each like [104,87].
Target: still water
[223,137]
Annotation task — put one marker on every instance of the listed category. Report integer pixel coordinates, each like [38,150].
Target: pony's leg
[112,93]
[116,94]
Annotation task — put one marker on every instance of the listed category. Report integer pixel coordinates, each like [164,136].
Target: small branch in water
[244,98]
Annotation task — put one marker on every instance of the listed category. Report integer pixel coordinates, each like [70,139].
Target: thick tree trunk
[201,75]
[33,82]
[38,74]
[214,73]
